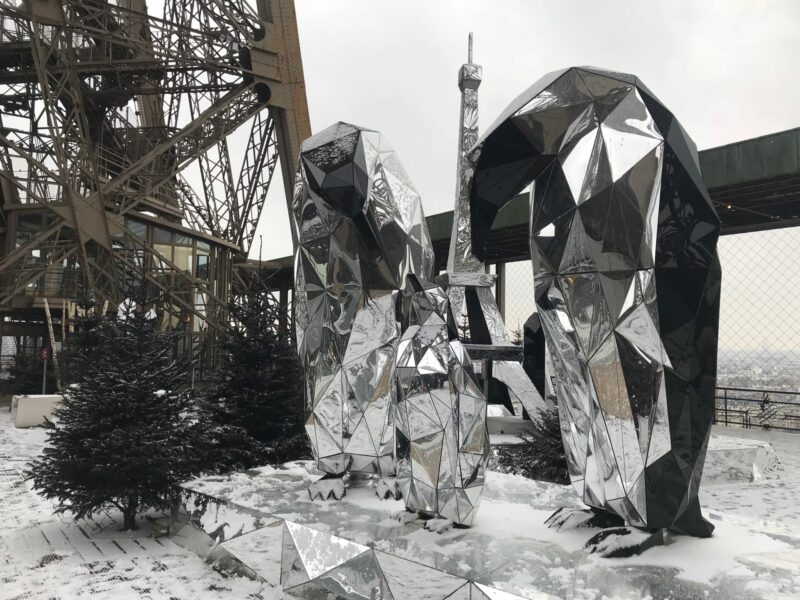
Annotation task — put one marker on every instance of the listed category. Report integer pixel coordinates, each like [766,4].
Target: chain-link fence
[759,337]
[519,299]
[759,342]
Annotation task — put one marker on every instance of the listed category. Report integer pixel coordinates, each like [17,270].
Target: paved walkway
[46,556]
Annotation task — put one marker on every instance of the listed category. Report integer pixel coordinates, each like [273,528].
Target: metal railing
[750,408]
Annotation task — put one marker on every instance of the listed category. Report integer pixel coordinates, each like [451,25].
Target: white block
[740,459]
[30,411]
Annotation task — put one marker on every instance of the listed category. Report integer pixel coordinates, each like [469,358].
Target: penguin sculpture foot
[439,525]
[571,518]
[387,487]
[692,522]
[405,516]
[621,542]
[329,486]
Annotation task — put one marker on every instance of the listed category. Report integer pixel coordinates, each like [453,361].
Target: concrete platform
[262,523]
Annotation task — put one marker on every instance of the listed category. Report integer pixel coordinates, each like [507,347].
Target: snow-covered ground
[44,556]
[772,505]
[755,552]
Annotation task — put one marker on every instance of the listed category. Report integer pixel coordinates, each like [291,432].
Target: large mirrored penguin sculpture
[359,230]
[627,283]
[440,415]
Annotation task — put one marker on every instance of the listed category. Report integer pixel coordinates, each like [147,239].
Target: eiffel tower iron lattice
[117,166]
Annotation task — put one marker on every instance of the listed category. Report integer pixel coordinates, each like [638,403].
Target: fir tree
[122,437]
[253,408]
[541,456]
[463,329]
[516,337]
[26,374]
[79,344]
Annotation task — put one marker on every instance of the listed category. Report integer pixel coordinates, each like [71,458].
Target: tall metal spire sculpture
[469,287]
[460,258]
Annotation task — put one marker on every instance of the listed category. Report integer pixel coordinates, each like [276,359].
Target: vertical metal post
[64,317]
[293,314]
[714,414]
[44,376]
[500,288]
[193,362]
[283,314]
[726,407]
[52,337]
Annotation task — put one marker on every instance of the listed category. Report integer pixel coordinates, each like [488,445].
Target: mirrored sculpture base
[261,524]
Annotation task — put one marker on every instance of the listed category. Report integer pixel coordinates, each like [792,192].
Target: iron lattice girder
[75,70]
[258,167]
[113,39]
[192,142]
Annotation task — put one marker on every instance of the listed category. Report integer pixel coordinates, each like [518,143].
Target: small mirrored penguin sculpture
[440,415]
[627,282]
[359,231]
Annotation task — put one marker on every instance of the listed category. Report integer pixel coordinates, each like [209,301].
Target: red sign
[45,353]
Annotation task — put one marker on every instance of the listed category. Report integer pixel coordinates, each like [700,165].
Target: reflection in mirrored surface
[623,245]
[443,442]
[360,230]
[508,547]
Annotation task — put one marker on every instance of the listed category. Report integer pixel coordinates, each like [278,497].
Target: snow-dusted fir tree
[253,407]
[542,454]
[122,437]
[26,374]
[463,329]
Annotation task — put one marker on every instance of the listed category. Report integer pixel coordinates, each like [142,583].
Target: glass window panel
[202,262]
[161,236]
[137,228]
[119,220]
[165,251]
[199,324]
[200,302]
[183,258]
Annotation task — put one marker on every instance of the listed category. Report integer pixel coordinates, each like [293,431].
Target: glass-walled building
[183,274]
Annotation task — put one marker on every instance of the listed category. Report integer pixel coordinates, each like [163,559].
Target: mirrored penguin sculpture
[359,231]
[440,415]
[627,282]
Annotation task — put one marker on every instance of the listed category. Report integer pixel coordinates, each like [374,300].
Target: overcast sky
[726,68]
